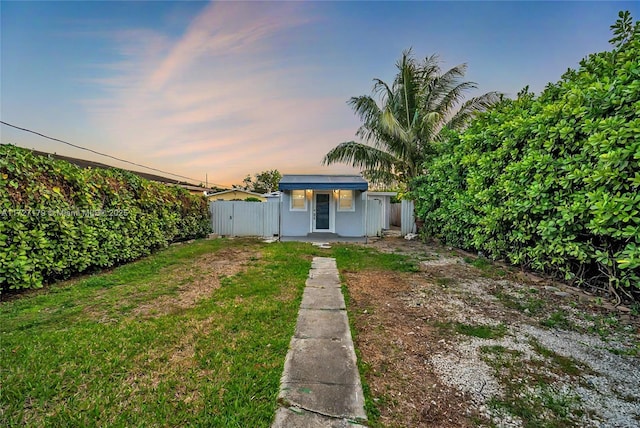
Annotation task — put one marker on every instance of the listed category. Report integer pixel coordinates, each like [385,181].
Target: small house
[323,205]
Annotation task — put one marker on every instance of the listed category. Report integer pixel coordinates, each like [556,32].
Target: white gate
[240,218]
[375,220]
[408,221]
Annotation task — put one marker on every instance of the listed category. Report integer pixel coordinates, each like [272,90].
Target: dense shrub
[550,182]
[57,219]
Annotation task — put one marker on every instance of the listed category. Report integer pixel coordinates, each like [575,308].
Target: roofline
[323,175]
[374,193]
[236,190]
[324,186]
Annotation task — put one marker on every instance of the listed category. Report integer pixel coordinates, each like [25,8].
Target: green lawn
[122,349]
[148,344]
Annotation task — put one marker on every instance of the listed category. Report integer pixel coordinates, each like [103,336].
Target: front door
[322,212]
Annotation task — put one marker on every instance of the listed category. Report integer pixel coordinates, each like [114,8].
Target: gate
[374,222]
[408,221]
[240,218]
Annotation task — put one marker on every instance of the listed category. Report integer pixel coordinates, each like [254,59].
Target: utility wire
[103,154]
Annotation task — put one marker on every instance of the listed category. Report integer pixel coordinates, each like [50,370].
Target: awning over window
[323,182]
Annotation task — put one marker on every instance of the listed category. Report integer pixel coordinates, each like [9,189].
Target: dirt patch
[457,345]
[198,280]
[395,342]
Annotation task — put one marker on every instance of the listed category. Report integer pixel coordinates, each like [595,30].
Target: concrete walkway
[320,385]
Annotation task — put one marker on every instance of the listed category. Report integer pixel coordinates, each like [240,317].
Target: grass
[557,320]
[116,349]
[79,353]
[529,393]
[356,258]
[480,331]
[528,304]
[559,363]
[487,267]
[445,282]
[353,258]
[542,407]
[370,408]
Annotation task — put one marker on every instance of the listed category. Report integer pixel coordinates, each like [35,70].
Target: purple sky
[227,89]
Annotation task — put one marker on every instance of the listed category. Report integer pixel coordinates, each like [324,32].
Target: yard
[197,335]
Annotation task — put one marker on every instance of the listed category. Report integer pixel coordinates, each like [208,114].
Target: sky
[215,91]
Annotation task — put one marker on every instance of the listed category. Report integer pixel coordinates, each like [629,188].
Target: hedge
[57,220]
[551,183]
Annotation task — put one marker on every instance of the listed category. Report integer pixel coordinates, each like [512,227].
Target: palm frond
[378,177]
[439,86]
[403,121]
[472,107]
[391,126]
[383,90]
[454,97]
[366,108]
[359,155]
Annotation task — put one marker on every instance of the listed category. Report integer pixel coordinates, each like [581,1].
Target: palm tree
[416,112]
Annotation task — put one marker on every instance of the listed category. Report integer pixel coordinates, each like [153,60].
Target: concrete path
[320,385]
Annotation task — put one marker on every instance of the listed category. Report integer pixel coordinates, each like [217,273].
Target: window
[298,200]
[345,200]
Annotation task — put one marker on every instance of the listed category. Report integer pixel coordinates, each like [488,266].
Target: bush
[550,183]
[58,219]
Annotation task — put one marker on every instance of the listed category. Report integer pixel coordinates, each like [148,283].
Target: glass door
[322,205]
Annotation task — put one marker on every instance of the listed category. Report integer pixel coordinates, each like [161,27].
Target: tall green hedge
[550,182]
[57,219]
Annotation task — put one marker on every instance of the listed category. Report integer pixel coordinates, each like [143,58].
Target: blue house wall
[300,223]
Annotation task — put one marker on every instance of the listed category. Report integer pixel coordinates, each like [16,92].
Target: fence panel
[222,217]
[408,222]
[271,219]
[240,218]
[374,217]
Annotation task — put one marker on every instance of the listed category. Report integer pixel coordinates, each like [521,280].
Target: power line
[103,154]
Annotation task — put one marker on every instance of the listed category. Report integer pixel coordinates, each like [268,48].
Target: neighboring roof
[189,187]
[84,163]
[323,182]
[382,193]
[247,192]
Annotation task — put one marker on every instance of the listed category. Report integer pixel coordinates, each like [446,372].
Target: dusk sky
[227,89]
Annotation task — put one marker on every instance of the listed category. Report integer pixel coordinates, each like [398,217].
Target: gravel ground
[555,356]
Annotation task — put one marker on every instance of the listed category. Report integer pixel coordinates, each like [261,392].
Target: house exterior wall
[351,223]
[299,223]
[294,223]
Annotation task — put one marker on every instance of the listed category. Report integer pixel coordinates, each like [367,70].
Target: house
[323,205]
[85,163]
[235,195]
[272,196]
[194,190]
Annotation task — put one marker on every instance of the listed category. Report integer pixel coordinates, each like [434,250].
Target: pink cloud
[217,101]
